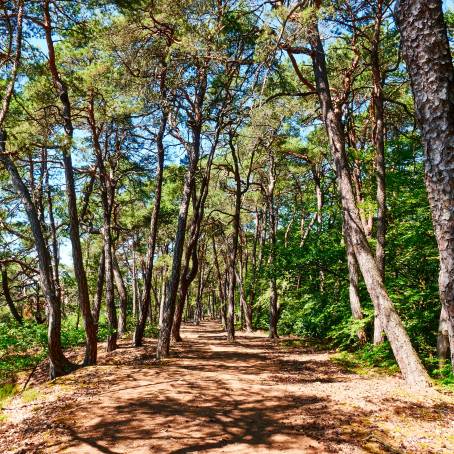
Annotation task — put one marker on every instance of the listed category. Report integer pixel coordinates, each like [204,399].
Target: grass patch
[29,395]
[305,342]
[7,392]
[369,358]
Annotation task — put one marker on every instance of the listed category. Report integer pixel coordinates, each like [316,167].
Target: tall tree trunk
[272,215]
[427,55]
[247,309]
[169,305]
[163,295]
[234,246]
[109,277]
[407,359]
[145,301]
[53,232]
[135,290]
[191,253]
[379,144]
[58,364]
[222,297]
[107,206]
[91,346]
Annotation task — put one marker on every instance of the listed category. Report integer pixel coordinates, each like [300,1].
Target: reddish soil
[213,397]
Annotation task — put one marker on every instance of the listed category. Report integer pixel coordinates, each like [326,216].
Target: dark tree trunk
[107,204]
[169,304]
[222,314]
[109,280]
[91,346]
[58,364]
[145,301]
[272,217]
[99,287]
[407,359]
[53,231]
[8,298]
[246,307]
[191,253]
[427,55]
[197,119]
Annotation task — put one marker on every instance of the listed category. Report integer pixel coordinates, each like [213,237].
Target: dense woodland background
[167,161]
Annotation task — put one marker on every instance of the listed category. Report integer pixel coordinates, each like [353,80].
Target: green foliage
[368,357]
[152,331]
[23,346]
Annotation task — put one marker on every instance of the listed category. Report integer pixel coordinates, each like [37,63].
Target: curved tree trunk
[58,364]
[8,298]
[91,346]
[407,359]
[145,301]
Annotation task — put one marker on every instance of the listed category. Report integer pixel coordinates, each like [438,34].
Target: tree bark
[379,144]
[107,191]
[8,298]
[58,364]
[123,295]
[145,301]
[407,359]
[99,287]
[443,338]
[172,291]
[427,54]
[91,346]
[353,289]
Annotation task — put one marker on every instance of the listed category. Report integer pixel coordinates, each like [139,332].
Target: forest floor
[255,396]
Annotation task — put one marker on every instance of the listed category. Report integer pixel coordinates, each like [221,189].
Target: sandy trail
[214,397]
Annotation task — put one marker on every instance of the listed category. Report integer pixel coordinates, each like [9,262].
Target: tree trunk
[107,192]
[353,289]
[109,280]
[443,338]
[163,296]
[53,231]
[407,359]
[91,346]
[99,288]
[172,291]
[58,364]
[8,298]
[135,291]
[247,309]
[145,301]
[272,215]
[380,168]
[122,293]
[427,55]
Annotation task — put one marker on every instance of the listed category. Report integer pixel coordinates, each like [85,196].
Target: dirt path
[251,397]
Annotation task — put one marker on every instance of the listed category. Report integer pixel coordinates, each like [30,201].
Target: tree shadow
[178,425]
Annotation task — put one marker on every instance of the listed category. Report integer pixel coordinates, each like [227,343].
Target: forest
[192,188]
